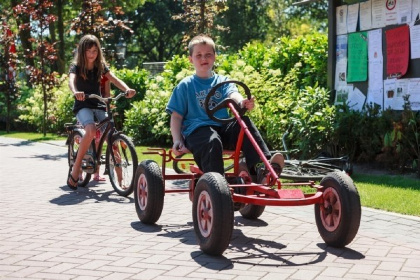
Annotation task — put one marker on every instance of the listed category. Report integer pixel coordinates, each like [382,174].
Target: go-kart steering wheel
[225,102]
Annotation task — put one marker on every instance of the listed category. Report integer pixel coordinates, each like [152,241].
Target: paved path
[48,231]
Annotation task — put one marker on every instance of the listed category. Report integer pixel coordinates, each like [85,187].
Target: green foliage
[135,79]
[360,134]
[309,51]
[59,108]
[403,141]
[147,121]
[285,101]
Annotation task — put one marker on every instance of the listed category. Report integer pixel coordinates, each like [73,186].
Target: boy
[193,130]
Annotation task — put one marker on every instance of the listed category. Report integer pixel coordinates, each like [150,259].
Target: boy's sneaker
[276,161]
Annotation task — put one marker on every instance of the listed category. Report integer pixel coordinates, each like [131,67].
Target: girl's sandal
[71,182]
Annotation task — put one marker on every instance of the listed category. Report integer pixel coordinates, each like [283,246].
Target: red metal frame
[269,194]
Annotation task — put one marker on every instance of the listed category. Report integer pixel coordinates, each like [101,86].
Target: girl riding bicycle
[84,77]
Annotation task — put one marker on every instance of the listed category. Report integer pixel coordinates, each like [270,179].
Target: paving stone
[48,231]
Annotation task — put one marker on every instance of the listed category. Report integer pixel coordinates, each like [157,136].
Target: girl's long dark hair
[87,42]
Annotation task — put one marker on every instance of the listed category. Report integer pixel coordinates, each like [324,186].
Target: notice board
[374,53]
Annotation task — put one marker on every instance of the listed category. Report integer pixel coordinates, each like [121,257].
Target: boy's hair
[201,39]
[87,42]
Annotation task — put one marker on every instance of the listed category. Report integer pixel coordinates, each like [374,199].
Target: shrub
[59,108]
[147,121]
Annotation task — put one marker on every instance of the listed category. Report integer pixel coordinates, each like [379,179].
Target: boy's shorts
[87,116]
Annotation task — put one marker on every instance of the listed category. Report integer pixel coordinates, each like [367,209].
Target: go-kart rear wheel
[249,211]
[212,213]
[338,217]
[148,192]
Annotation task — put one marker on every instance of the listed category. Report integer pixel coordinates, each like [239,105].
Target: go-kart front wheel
[213,213]
[149,192]
[338,217]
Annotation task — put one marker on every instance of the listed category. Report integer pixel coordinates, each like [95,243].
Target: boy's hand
[249,104]
[179,148]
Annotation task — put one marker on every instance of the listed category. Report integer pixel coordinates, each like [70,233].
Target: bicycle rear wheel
[122,165]
[306,170]
[75,139]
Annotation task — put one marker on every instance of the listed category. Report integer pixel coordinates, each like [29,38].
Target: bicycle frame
[108,132]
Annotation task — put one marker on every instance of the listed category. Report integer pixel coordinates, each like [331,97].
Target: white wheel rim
[142,192]
[205,214]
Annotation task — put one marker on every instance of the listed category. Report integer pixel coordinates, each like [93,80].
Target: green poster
[357,66]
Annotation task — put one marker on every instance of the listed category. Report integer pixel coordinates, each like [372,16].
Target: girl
[85,76]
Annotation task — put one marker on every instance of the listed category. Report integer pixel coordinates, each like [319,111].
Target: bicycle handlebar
[106,99]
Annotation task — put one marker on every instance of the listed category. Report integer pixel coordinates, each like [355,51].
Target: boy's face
[203,58]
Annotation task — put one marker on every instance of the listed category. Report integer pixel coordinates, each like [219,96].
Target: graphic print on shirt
[201,97]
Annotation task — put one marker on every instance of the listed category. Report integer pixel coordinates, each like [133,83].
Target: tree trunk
[61,62]
[24,35]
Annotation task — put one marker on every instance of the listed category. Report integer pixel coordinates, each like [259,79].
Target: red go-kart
[215,197]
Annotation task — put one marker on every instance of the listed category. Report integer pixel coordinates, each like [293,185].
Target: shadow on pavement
[252,250]
[345,253]
[89,192]
[47,157]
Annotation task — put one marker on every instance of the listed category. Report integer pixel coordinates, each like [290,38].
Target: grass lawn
[399,194]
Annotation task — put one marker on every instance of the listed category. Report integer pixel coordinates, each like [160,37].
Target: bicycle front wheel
[121,164]
[305,170]
[75,139]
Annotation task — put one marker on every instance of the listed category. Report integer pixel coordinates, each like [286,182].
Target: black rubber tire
[212,213]
[338,217]
[128,165]
[249,211]
[73,147]
[149,192]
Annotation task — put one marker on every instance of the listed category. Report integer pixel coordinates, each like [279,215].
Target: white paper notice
[414,92]
[352,17]
[375,59]
[401,86]
[415,9]
[375,97]
[390,92]
[341,16]
[342,94]
[356,99]
[415,41]
[404,11]
[365,15]
[378,13]
[391,12]
[341,62]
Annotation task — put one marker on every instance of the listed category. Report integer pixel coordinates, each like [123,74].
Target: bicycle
[120,161]
[312,169]
[295,170]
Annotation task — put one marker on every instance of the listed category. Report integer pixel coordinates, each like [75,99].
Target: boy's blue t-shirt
[188,100]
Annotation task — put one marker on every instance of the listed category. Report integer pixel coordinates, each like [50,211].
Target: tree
[158,37]
[8,69]
[247,20]
[93,20]
[288,19]
[44,53]
[199,16]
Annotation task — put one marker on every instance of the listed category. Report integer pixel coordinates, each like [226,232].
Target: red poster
[397,51]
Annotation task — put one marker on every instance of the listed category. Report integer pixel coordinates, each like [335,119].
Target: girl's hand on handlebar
[79,95]
[129,93]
